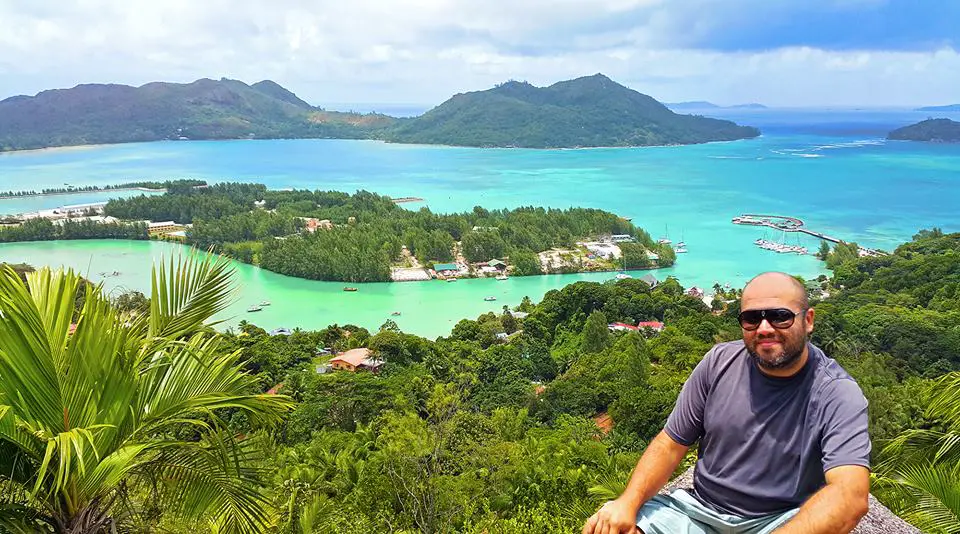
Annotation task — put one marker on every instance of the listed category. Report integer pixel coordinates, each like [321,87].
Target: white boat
[265,303]
[451,279]
[680,250]
[490,298]
[502,277]
[623,276]
[254,308]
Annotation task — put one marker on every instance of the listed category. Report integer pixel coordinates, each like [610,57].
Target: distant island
[934,130]
[586,112]
[949,107]
[702,104]
[204,109]
[593,111]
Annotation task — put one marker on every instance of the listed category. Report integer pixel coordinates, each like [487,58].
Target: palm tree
[95,417]
[921,468]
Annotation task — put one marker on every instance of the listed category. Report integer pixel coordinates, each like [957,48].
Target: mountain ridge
[590,111]
[931,130]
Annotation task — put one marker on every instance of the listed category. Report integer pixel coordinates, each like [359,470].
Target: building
[519,314]
[695,292]
[497,264]
[446,268]
[622,238]
[656,326]
[318,224]
[355,360]
[622,327]
[650,280]
[162,227]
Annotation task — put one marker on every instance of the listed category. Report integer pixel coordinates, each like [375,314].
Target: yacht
[623,276]
[680,250]
[395,314]
[254,308]
[502,277]
[265,303]
[490,298]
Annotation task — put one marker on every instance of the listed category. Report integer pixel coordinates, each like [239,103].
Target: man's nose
[765,327]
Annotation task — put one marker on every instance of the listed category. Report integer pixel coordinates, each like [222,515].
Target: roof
[445,267]
[650,279]
[622,326]
[494,263]
[650,324]
[353,356]
[161,223]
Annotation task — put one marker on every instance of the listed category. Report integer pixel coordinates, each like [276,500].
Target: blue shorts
[682,513]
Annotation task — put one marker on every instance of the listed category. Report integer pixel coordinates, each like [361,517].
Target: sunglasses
[779,318]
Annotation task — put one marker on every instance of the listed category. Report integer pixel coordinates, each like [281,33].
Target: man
[782,431]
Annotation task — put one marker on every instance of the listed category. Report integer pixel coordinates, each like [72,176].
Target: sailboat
[665,240]
[622,275]
[681,246]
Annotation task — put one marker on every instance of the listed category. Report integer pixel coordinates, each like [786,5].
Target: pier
[793,224]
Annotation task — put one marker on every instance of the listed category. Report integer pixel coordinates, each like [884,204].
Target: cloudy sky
[778,52]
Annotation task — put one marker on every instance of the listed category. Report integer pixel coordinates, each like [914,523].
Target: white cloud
[425,50]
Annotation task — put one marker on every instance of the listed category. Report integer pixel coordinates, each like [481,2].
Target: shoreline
[80,192]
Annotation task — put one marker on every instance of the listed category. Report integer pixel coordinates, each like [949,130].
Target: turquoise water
[832,169]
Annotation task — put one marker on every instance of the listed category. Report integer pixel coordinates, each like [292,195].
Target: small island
[930,130]
[364,237]
[948,107]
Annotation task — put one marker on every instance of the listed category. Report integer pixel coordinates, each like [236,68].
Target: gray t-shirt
[765,443]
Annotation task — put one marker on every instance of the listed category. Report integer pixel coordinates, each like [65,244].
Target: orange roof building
[356,359]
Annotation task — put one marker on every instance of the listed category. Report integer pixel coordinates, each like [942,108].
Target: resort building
[355,360]
[695,292]
[317,224]
[650,280]
[622,238]
[497,264]
[622,327]
[162,227]
[446,268]
[656,326]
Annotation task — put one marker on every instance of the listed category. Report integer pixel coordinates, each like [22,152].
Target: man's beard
[787,357]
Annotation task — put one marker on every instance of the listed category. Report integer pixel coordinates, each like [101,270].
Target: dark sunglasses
[779,318]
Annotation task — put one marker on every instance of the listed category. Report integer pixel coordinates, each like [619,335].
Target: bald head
[775,285]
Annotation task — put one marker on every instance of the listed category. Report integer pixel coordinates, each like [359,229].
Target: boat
[265,303]
[665,240]
[623,276]
[349,289]
[490,298]
[395,314]
[254,308]
[680,250]
[502,277]
[453,279]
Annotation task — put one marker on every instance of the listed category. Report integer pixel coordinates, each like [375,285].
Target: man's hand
[614,517]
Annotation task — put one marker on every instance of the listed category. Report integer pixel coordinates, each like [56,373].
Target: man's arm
[652,472]
[837,507]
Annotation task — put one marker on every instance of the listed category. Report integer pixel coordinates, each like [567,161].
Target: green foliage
[589,111]
[88,416]
[596,336]
[45,230]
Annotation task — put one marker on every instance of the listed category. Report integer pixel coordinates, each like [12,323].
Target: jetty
[793,224]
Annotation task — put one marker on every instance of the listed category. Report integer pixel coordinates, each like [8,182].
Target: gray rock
[879,520]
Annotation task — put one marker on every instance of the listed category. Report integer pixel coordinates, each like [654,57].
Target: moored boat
[254,308]
[349,289]
[502,277]
[490,298]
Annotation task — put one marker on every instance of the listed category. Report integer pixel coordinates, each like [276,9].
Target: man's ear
[809,320]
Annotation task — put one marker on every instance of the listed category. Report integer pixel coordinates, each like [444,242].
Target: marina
[791,224]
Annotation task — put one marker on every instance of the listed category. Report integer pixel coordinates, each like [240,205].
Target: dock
[793,224]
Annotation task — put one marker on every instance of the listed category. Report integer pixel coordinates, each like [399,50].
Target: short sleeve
[844,437]
[685,424]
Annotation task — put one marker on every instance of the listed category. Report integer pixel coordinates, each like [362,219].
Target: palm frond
[187,293]
[935,492]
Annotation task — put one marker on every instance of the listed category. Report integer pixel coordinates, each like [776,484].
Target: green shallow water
[427,308]
[833,170]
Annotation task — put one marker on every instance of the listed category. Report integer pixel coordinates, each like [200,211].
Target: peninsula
[933,130]
[948,107]
[364,237]
[585,112]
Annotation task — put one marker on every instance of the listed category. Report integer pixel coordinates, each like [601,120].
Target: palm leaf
[187,293]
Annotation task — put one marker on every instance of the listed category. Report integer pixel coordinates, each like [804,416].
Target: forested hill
[938,130]
[204,109]
[586,112]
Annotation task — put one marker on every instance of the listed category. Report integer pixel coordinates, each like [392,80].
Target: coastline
[81,191]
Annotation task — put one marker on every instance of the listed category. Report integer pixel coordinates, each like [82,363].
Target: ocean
[831,168]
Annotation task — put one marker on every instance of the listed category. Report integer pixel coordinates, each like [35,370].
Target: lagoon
[834,170]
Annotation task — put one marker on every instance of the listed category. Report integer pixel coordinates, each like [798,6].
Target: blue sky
[781,53]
